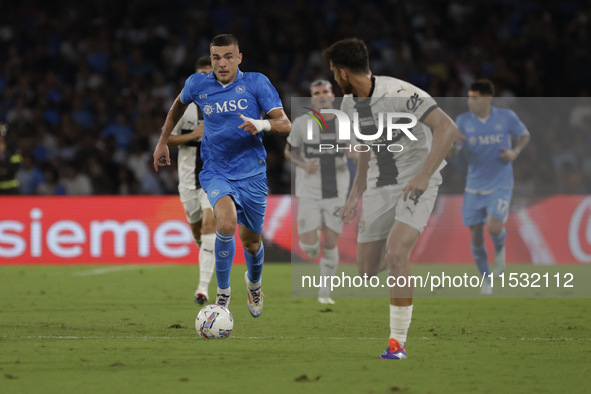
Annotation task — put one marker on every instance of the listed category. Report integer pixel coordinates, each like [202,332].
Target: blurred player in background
[399,189]
[234,157]
[322,182]
[485,138]
[9,164]
[187,135]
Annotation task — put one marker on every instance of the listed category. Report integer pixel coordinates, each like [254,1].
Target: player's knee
[251,246]
[329,243]
[366,269]
[495,227]
[227,224]
[396,255]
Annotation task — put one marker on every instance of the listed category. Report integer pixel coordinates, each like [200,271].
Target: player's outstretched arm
[176,140]
[278,122]
[161,153]
[509,155]
[444,132]
[349,210]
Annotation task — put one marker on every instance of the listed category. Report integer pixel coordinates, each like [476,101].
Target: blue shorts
[477,207]
[249,195]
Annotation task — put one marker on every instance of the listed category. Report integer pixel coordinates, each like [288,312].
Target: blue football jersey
[226,149]
[482,148]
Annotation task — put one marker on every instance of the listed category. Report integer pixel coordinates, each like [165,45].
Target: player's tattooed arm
[508,155]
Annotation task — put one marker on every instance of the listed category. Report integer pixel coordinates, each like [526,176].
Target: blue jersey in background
[226,149]
[482,148]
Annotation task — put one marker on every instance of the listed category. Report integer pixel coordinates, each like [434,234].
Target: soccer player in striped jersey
[234,171]
[187,135]
[399,187]
[485,133]
[321,183]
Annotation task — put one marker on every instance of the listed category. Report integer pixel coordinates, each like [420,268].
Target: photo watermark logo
[376,139]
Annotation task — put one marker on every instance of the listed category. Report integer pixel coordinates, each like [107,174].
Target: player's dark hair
[223,40]
[203,61]
[350,53]
[483,86]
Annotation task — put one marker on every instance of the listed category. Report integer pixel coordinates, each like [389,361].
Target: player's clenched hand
[416,187]
[311,166]
[161,156]
[253,126]
[349,210]
[508,155]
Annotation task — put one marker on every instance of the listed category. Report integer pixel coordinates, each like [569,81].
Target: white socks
[400,317]
[328,267]
[311,250]
[206,260]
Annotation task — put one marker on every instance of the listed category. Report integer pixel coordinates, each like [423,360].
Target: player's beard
[346,87]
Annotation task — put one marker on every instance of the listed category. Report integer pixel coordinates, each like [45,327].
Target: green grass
[133,331]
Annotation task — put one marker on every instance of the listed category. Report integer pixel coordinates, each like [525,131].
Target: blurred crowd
[85,87]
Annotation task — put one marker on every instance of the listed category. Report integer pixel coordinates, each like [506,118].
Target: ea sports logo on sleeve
[394,130]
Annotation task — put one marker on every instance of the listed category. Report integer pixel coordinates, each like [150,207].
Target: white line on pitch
[117,268]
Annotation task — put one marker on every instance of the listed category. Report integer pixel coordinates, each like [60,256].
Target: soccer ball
[214,322]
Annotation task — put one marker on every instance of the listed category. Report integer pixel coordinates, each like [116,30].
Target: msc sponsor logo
[489,139]
[225,106]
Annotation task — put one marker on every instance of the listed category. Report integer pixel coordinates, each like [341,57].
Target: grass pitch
[105,329]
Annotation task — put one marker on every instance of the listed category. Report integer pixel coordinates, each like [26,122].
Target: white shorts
[383,206]
[313,213]
[194,202]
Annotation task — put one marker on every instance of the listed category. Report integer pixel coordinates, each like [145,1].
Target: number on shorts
[502,206]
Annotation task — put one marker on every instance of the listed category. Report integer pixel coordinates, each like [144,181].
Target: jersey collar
[373,86]
[493,111]
[370,95]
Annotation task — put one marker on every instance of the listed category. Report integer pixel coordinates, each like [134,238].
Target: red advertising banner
[99,230]
[132,230]
[555,230]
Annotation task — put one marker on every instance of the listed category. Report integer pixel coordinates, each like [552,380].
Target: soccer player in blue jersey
[234,167]
[485,138]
